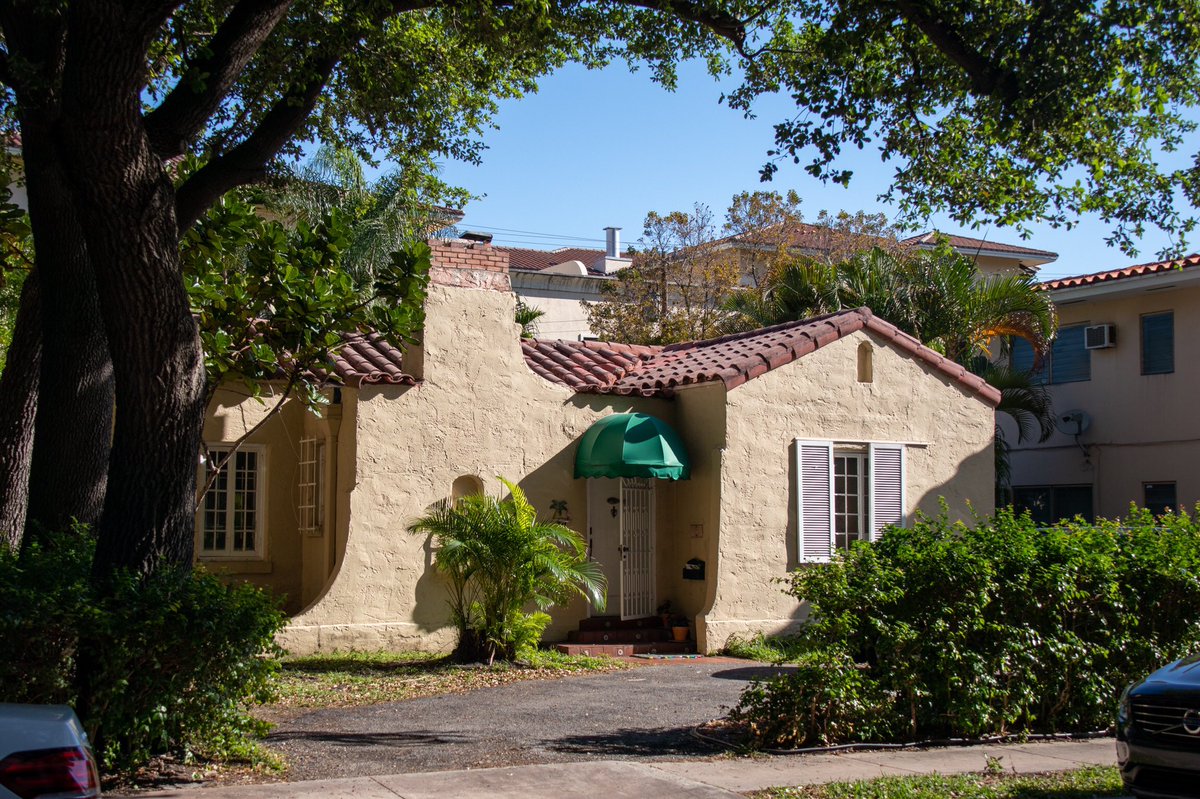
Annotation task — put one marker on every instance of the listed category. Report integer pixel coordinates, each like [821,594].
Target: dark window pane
[1159,497]
[1072,501]
[1034,499]
[1158,343]
[1070,362]
[1022,360]
[1050,504]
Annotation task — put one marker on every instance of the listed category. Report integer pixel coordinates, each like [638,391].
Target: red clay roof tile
[367,359]
[659,371]
[978,245]
[1186,262]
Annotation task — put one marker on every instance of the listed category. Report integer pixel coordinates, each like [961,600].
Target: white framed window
[311,506]
[846,492]
[851,499]
[230,523]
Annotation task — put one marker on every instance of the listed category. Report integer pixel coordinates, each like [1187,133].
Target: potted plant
[679,627]
[664,612]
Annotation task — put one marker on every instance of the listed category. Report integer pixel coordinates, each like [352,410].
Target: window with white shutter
[814,499]
[846,493]
[887,487]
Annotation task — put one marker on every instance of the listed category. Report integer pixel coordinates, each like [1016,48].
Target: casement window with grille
[230,520]
[312,501]
[846,493]
[1050,504]
[1068,361]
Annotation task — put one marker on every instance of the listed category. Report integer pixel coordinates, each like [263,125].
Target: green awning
[632,445]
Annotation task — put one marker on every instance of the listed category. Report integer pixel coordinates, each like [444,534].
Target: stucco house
[787,442]
[557,281]
[1123,378]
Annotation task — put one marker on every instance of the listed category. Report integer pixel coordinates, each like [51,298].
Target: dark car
[1158,733]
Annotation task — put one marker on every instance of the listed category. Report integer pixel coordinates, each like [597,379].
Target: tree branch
[724,25]
[987,79]
[208,79]
[248,161]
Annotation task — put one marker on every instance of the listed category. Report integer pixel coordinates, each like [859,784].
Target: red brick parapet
[469,264]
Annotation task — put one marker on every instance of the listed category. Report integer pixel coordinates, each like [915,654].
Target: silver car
[44,752]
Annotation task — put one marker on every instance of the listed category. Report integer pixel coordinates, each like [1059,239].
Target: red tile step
[626,650]
[619,636]
[617,623]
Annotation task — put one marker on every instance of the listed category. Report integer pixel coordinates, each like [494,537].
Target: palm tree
[527,317]
[939,298]
[402,206]
[500,559]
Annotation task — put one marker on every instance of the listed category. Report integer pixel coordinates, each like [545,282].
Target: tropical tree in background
[941,299]
[680,277]
[499,559]
[402,207]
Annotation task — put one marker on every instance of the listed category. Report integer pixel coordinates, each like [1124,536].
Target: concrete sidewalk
[701,779]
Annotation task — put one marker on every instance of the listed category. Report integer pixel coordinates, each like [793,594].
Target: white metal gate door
[637,548]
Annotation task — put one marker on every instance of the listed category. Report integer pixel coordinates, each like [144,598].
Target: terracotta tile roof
[526,260]
[605,368]
[969,243]
[1119,274]
[367,359]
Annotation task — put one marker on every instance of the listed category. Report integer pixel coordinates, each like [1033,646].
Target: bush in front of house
[499,560]
[162,664]
[945,631]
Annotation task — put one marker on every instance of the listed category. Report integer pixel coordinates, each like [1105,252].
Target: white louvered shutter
[887,487]
[814,499]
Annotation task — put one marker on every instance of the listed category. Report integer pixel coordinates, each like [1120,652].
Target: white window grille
[231,518]
[312,502]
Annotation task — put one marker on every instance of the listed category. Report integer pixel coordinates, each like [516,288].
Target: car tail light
[67,773]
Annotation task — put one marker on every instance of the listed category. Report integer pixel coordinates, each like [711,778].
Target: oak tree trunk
[126,206]
[73,431]
[18,404]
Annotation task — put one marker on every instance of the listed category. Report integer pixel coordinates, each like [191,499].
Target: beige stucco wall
[949,455]
[480,411]
[1144,427]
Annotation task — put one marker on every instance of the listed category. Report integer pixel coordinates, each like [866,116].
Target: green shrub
[826,698]
[165,663]
[997,629]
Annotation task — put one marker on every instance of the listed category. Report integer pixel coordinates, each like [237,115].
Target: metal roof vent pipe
[612,242]
[612,260]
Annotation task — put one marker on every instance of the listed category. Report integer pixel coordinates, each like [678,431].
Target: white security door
[637,548]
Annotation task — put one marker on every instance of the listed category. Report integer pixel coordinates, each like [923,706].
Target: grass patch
[346,679]
[765,648]
[1088,783]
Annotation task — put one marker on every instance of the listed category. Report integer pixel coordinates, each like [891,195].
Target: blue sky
[603,147]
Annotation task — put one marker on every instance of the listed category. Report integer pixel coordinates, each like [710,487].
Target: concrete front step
[626,650]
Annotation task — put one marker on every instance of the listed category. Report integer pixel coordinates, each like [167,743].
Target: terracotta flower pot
[680,633]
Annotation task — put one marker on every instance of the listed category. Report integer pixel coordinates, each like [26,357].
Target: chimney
[612,239]
[612,260]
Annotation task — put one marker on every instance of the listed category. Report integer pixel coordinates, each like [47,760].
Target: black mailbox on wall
[693,569]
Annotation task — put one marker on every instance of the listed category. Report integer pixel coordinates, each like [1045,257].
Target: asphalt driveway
[640,713]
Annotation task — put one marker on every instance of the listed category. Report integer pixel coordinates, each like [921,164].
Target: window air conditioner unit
[1099,337]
